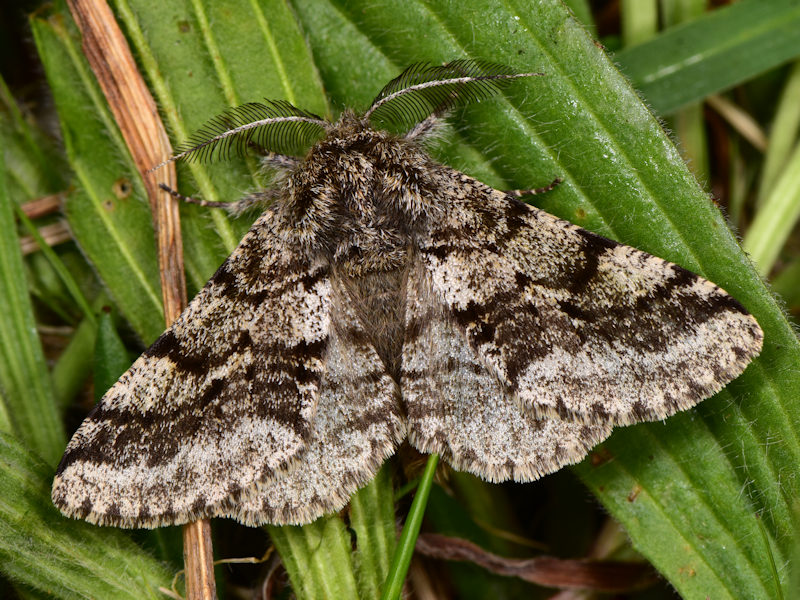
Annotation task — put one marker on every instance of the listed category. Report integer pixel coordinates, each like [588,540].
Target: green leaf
[27,405]
[110,357]
[74,364]
[779,193]
[56,265]
[787,286]
[34,167]
[639,20]
[317,558]
[107,213]
[65,559]
[776,217]
[784,132]
[711,54]
[582,12]
[373,523]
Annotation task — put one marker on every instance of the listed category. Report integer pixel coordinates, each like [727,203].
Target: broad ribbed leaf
[317,558]
[373,523]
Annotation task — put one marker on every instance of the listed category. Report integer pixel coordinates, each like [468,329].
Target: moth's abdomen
[379,300]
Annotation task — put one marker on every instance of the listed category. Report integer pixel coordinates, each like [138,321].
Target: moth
[383,297]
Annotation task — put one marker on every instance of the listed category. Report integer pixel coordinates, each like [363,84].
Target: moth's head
[408,106]
[349,124]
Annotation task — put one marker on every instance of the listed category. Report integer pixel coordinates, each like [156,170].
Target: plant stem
[408,538]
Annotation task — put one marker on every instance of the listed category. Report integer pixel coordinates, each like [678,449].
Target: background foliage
[709,497]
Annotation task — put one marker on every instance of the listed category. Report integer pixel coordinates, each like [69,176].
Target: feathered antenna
[274,126]
[424,90]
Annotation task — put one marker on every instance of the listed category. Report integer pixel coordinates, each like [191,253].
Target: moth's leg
[279,162]
[236,207]
[188,199]
[534,191]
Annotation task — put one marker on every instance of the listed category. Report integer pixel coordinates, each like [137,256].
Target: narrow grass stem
[408,538]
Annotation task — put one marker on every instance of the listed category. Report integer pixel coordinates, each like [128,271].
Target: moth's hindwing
[223,399]
[575,325]
[357,426]
[458,408]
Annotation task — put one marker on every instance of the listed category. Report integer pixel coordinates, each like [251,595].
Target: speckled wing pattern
[458,408]
[386,296]
[222,400]
[574,325]
[357,426]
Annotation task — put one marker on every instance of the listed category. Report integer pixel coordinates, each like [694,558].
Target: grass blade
[777,217]
[29,409]
[408,538]
[689,62]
